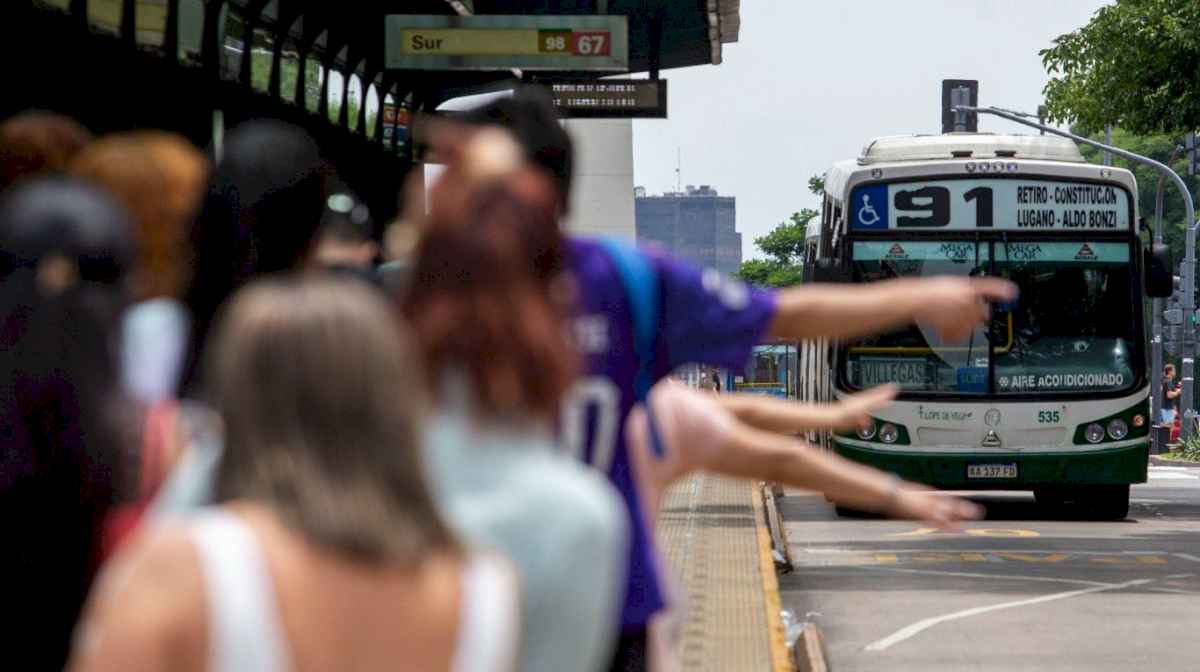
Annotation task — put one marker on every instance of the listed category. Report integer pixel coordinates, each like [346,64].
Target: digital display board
[1009,204]
[609,98]
[593,43]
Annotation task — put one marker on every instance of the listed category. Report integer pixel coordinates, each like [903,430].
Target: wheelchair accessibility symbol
[866,214]
[870,207]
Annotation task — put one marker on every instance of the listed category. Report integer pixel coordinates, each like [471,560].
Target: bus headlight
[1094,433]
[1117,429]
[867,431]
[888,433]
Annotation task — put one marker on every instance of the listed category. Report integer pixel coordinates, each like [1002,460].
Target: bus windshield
[1071,330]
[1073,327]
[917,358]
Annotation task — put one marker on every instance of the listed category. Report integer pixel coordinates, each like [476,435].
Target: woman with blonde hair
[326,550]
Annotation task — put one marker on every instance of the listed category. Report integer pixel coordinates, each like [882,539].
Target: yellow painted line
[1131,560]
[1000,532]
[1026,557]
[919,532]
[977,532]
[780,660]
[885,558]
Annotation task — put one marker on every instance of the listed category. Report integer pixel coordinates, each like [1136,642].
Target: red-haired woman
[489,304]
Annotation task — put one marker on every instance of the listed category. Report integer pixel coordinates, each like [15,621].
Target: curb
[808,653]
[810,650]
[1156,460]
[770,581]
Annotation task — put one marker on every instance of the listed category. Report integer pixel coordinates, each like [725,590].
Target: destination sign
[594,43]
[609,98]
[1004,204]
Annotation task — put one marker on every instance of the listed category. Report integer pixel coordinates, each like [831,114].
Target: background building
[697,224]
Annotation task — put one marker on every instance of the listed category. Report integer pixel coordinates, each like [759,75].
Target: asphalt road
[1016,591]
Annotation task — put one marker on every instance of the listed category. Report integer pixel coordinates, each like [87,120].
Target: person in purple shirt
[703,317]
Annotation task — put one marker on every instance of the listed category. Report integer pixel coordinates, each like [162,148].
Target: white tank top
[245,632]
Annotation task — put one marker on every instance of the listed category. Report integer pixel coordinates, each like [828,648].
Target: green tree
[1136,64]
[784,248]
[1158,147]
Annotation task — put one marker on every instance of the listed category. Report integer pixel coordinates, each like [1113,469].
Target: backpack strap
[641,287]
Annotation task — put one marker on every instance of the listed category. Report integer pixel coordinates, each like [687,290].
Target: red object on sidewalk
[1175,429]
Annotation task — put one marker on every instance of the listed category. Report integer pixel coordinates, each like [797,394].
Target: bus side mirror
[1156,264]
[831,270]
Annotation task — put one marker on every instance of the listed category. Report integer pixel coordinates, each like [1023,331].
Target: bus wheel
[1103,502]
[1051,501]
[1049,498]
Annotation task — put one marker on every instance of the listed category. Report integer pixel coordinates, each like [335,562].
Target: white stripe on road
[922,625]
[1165,473]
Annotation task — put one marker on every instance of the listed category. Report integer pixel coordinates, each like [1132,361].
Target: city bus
[1052,395]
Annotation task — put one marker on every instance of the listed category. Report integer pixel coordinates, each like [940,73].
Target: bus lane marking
[914,629]
[1119,559]
[974,532]
[979,575]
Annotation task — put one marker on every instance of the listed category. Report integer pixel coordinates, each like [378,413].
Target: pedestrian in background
[1170,395]
[261,215]
[159,178]
[36,143]
[326,550]
[66,253]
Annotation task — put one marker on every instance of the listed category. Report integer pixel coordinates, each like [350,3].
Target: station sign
[590,43]
[608,98]
[995,204]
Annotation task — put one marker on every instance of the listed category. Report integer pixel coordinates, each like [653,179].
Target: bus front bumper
[1112,466]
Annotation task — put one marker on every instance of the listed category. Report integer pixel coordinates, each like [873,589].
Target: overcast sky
[809,83]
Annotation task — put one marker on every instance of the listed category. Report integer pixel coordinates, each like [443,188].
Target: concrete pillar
[602,195]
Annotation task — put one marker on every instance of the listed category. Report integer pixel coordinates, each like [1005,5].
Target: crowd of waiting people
[240,434]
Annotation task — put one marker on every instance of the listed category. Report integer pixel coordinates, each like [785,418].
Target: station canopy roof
[686,32]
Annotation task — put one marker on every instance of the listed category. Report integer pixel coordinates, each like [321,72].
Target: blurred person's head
[488,294]
[529,115]
[345,238]
[1169,371]
[66,250]
[159,177]
[261,215]
[312,377]
[37,142]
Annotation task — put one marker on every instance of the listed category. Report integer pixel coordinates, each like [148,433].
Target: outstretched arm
[756,454]
[791,417]
[954,306]
[697,433]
